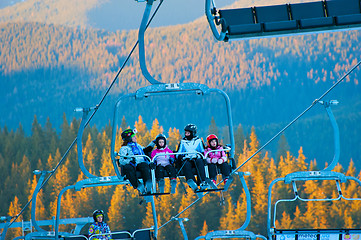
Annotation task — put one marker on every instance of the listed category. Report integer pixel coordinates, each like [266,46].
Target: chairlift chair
[283,19]
[274,233]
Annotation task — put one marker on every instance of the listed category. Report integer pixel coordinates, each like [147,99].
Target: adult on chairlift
[164,163]
[130,163]
[192,145]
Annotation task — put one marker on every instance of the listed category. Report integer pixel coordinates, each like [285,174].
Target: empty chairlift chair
[344,12]
[310,15]
[275,18]
[284,19]
[239,21]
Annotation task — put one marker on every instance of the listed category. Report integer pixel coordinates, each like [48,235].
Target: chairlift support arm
[141,32]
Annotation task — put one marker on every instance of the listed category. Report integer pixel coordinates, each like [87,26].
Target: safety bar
[231,234]
[131,235]
[306,176]
[170,89]
[106,182]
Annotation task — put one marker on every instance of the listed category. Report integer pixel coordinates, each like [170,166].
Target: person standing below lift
[99,226]
[192,145]
[217,159]
[164,163]
[130,163]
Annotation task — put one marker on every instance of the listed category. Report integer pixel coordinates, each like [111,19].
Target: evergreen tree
[213,129]
[50,136]
[38,142]
[283,147]
[124,125]
[239,138]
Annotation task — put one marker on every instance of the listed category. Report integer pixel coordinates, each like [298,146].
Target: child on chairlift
[164,163]
[99,227]
[216,159]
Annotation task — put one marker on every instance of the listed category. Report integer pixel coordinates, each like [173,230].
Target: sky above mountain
[109,15]
[113,15]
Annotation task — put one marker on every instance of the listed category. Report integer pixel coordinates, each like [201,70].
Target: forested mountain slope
[47,70]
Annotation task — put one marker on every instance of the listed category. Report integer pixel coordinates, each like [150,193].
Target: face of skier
[161,142]
[213,143]
[100,218]
[134,138]
[187,134]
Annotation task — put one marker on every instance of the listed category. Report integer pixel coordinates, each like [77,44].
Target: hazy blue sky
[127,14]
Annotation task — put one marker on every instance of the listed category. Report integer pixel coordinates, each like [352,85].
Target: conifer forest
[21,154]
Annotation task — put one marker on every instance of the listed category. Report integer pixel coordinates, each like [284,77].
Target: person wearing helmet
[192,145]
[130,163]
[99,226]
[216,159]
[164,163]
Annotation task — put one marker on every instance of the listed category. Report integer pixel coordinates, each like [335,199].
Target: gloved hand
[214,160]
[152,165]
[133,162]
[220,161]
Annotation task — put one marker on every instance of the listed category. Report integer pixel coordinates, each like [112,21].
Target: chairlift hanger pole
[142,28]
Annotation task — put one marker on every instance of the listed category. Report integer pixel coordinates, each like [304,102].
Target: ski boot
[161,185]
[173,185]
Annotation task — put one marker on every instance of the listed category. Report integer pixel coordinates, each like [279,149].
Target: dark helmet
[211,137]
[191,128]
[161,136]
[128,134]
[96,213]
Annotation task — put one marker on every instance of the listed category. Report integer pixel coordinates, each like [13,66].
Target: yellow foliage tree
[174,138]
[156,129]
[14,210]
[40,208]
[204,228]
[115,216]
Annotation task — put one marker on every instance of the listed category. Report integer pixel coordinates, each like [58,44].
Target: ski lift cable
[299,116]
[177,215]
[89,119]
